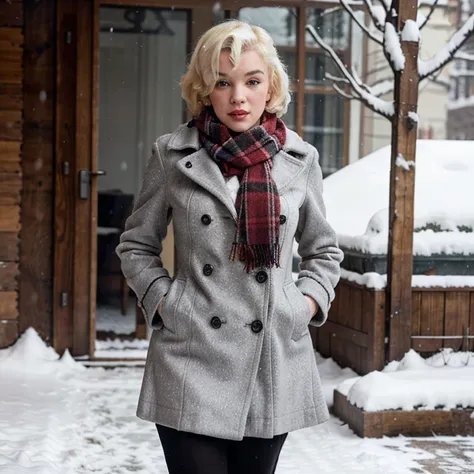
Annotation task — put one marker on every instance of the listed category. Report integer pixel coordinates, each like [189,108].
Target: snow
[393,48]
[379,282]
[410,31]
[58,418]
[414,117]
[402,163]
[444,221]
[426,68]
[448,383]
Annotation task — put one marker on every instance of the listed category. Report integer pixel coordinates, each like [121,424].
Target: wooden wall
[355,332]
[11,104]
[27,91]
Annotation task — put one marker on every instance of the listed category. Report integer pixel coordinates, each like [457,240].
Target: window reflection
[279,22]
[324,128]
[331,24]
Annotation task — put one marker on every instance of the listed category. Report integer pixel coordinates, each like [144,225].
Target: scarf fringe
[255,256]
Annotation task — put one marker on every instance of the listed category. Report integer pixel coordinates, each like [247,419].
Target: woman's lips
[240,115]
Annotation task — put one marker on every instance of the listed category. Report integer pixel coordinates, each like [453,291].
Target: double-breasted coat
[230,355]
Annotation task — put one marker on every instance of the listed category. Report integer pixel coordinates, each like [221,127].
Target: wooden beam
[8,332]
[8,305]
[36,250]
[65,183]
[82,212]
[402,189]
[9,250]
[301,69]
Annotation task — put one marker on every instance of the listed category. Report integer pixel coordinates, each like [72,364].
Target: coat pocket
[171,304]
[300,308]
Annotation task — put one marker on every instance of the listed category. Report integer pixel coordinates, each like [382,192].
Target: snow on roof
[357,199]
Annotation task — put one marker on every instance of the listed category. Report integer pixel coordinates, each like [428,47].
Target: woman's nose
[238,96]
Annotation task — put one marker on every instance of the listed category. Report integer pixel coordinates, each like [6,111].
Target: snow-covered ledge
[376,281]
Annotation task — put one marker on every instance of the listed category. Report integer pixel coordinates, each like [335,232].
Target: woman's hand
[314,308]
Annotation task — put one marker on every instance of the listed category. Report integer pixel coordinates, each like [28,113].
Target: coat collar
[204,171]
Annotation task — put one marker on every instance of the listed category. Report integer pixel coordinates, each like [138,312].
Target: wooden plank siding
[11,124]
[36,250]
[354,335]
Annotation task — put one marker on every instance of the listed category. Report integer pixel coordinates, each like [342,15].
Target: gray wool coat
[230,355]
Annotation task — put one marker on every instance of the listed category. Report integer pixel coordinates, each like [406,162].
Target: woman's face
[241,93]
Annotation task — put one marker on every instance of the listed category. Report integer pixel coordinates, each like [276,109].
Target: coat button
[282,219]
[206,219]
[216,323]
[188,164]
[256,326]
[261,276]
[208,269]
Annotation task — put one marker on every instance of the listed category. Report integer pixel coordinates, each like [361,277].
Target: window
[321,112]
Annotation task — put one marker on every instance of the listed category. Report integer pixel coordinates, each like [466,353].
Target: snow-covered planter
[412,397]
[442,293]
[443,242]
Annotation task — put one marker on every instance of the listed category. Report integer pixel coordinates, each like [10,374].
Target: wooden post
[402,187]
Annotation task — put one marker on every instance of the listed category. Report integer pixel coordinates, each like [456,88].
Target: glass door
[142,56]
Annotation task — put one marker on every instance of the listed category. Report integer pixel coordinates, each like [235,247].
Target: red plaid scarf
[248,155]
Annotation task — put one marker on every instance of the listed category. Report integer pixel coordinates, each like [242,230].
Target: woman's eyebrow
[250,73]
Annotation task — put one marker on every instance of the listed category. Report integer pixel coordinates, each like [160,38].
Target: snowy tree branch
[428,16]
[359,23]
[360,93]
[443,57]
[464,56]
[373,14]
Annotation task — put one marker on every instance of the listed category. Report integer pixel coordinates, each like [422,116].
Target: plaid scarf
[248,155]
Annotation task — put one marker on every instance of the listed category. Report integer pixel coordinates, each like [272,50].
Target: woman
[230,368]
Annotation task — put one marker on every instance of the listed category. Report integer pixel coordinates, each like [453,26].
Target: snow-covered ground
[58,417]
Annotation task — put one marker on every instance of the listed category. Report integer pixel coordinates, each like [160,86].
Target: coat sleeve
[317,246]
[140,244]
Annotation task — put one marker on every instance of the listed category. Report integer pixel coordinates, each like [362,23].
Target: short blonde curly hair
[237,36]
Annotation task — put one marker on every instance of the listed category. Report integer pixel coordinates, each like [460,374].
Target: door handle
[85,182]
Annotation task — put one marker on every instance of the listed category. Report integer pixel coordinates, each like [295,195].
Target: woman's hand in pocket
[160,305]
[313,306]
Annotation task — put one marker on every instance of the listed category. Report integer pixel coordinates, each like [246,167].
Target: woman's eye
[222,84]
[254,82]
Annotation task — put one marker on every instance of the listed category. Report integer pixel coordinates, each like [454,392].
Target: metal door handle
[85,182]
[98,173]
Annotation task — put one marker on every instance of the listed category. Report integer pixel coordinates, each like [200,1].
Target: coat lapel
[205,172]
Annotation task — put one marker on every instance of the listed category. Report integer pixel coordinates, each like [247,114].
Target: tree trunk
[402,187]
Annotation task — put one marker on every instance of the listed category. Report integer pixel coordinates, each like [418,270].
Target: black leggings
[189,453]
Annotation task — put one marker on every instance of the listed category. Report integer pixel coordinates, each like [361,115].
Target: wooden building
[86,86]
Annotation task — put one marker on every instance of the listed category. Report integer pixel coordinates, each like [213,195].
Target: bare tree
[383,30]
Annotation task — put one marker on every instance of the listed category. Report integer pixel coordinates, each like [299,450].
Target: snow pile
[38,408]
[444,381]
[357,199]
[30,354]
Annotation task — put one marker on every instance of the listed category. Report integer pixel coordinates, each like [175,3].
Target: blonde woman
[230,368]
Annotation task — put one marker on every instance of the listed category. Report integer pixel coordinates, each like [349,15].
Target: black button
[256,326]
[216,323]
[208,269]
[206,219]
[261,276]
[188,164]
[282,219]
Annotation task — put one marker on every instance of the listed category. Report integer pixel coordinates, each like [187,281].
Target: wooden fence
[354,335]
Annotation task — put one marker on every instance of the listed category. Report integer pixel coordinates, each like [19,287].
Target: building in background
[461,97]
[433,96]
